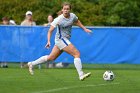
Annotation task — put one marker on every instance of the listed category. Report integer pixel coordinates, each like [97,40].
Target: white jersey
[64,25]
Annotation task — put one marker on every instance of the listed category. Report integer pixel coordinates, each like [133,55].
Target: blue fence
[105,45]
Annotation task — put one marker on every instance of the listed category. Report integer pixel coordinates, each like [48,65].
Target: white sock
[78,66]
[40,60]
[5,63]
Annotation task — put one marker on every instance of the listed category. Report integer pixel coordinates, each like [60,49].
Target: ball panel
[108,76]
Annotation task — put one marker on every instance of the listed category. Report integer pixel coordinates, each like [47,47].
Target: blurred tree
[90,12]
[121,12]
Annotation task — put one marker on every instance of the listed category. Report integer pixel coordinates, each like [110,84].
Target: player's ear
[62,9]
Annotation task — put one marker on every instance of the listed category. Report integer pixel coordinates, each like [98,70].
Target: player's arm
[82,26]
[49,36]
[52,27]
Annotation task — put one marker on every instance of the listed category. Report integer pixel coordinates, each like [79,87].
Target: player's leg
[53,55]
[70,49]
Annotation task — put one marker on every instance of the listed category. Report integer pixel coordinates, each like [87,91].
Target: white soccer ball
[108,76]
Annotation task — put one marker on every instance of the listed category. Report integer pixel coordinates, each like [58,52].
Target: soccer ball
[108,76]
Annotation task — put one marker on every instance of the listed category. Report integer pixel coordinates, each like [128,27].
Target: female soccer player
[64,23]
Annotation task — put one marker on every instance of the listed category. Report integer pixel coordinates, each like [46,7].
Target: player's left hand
[48,45]
[88,31]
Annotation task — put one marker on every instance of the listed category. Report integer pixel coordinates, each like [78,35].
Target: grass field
[16,80]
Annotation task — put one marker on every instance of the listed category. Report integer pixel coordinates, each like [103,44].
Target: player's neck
[66,15]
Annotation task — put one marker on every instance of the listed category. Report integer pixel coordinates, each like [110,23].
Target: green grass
[16,80]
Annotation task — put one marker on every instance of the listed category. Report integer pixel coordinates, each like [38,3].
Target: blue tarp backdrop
[105,45]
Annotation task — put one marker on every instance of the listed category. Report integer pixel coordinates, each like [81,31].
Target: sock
[40,60]
[5,63]
[78,66]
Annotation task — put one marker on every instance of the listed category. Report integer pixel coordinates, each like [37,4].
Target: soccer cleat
[30,68]
[84,76]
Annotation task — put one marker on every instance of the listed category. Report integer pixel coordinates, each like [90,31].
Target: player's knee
[77,54]
[50,58]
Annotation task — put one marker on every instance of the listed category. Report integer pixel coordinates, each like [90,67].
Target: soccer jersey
[64,25]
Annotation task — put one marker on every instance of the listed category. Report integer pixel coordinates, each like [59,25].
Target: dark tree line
[90,12]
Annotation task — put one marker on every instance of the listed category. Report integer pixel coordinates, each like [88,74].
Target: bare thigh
[54,53]
[70,49]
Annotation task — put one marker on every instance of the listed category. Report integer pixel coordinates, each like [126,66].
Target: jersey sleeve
[75,18]
[55,22]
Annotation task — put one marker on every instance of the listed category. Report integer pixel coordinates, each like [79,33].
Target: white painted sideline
[73,87]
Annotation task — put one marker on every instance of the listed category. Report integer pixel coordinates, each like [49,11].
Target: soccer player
[64,24]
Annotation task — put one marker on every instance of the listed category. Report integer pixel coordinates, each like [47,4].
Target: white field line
[73,87]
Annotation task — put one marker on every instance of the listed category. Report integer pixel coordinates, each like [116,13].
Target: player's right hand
[48,45]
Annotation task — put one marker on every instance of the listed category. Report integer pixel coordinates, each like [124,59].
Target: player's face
[66,10]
